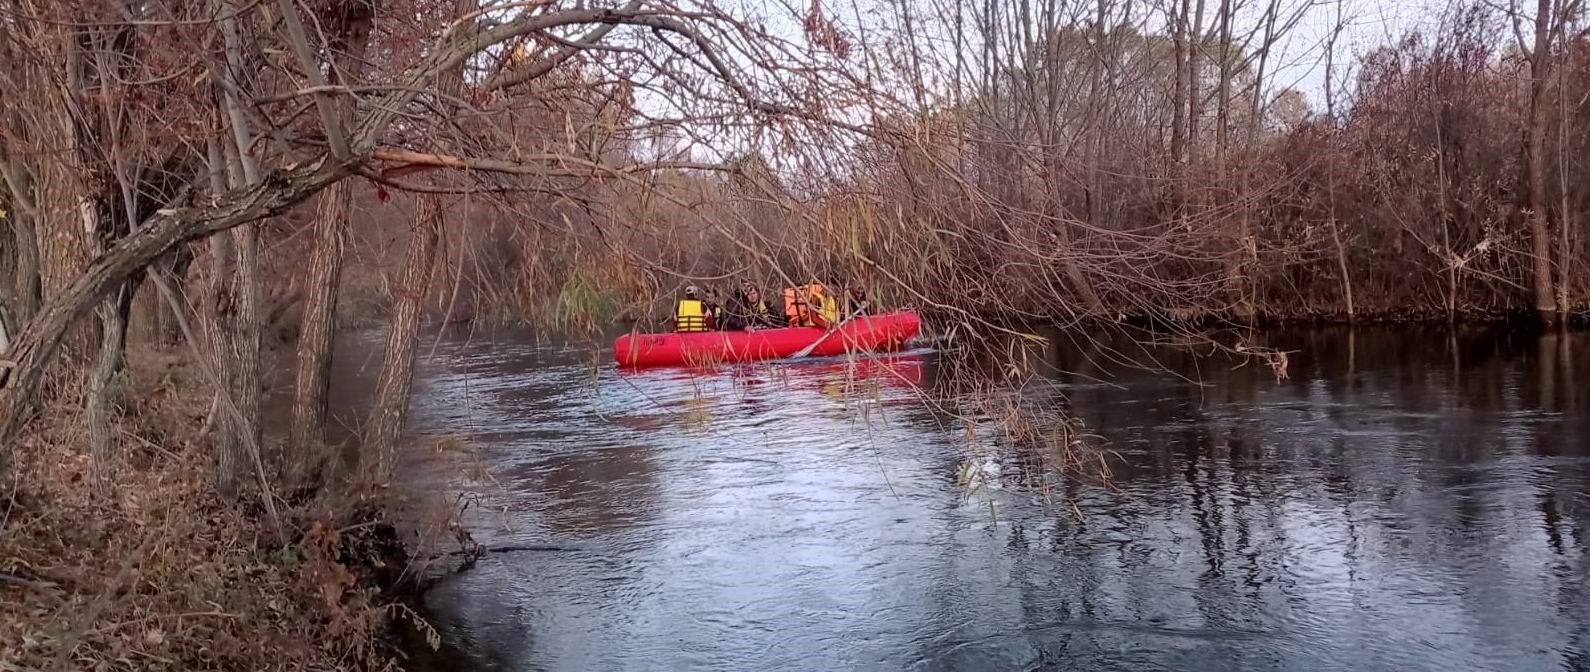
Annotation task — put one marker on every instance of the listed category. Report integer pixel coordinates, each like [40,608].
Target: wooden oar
[808,349]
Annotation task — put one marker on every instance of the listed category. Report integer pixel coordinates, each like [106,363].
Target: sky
[1299,62]
[1367,24]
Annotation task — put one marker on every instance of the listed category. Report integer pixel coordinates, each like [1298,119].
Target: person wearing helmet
[691,313]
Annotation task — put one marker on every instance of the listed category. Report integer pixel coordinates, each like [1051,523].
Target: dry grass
[150,570]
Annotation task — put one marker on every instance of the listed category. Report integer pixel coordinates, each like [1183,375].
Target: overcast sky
[1368,24]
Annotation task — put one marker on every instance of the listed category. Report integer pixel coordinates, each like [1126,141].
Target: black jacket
[739,314]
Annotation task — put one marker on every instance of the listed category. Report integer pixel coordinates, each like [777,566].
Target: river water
[1405,499]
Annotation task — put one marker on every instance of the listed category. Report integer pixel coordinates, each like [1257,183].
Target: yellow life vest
[828,307]
[691,316]
[826,304]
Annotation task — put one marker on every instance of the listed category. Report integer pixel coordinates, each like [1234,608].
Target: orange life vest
[795,308]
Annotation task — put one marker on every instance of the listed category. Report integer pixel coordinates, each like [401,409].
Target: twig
[148,444]
[155,617]
[48,589]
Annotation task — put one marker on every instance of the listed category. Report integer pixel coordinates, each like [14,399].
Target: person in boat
[797,310]
[747,311]
[691,314]
[824,305]
[856,300]
[714,309]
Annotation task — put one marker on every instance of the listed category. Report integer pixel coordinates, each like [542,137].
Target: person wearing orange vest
[811,305]
[692,315]
[796,311]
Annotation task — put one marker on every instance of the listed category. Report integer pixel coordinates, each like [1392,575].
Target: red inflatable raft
[873,333]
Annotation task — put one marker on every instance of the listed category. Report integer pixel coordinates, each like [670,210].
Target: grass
[585,305]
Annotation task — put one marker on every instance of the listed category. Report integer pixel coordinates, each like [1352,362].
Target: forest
[199,196]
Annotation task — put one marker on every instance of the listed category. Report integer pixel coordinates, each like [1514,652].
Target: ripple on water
[759,518]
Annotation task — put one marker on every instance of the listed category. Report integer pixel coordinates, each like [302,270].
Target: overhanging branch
[539,165]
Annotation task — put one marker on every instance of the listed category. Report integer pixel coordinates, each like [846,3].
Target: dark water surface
[1406,500]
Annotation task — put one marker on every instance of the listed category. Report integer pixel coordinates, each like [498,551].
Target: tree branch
[545,65]
[555,165]
[317,80]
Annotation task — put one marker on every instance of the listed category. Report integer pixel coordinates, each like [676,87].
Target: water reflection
[1406,499]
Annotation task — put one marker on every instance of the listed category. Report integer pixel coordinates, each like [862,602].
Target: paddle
[808,349]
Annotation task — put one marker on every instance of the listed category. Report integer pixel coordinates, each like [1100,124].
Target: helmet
[692,290]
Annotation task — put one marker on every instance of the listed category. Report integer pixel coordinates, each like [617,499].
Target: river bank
[158,572]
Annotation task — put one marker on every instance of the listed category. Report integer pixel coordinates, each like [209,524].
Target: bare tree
[23,242]
[276,162]
[1195,91]
[1180,93]
[350,24]
[1537,203]
[390,407]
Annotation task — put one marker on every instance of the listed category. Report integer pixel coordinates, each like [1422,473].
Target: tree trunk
[220,304]
[1448,255]
[25,269]
[1565,256]
[96,403]
[1178,103]
[1223,99]
[1096,121]
[1535,148]
[318,329]
[1195,98]
[392,389]
[25,281]
[246,342]
[111,55]
[97,408]
[319,326]
[64,242]
[1341,264]
[1091,158]
[1237,259]
[1564,264]
[165,332]
[390,408]
[230,428]
[242,333]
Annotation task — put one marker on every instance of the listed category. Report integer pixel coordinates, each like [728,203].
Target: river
[1406,499]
